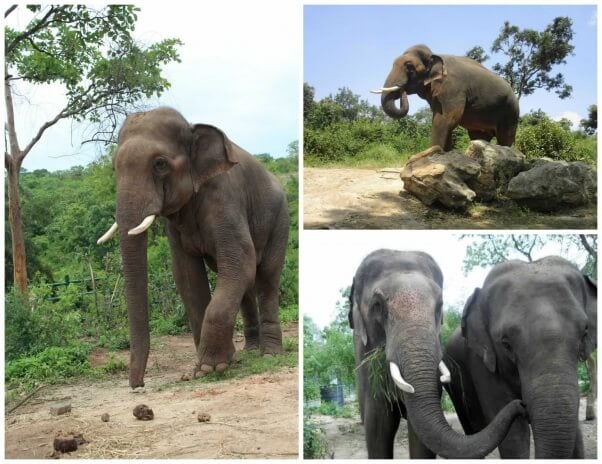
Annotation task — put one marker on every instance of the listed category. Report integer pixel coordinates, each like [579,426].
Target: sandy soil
[345,437]
[346,198]
[255,417]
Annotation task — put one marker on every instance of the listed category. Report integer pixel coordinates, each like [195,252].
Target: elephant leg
[190,276]
[505,134]
[579,452]
[236,272]
[516,444]
[417,448]
[380,424]
[250,320]
[443,124]
[590,408]
[271,333]
[268,282]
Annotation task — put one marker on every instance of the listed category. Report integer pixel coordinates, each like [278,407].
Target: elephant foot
[271,339]
[214,360]
[251,338]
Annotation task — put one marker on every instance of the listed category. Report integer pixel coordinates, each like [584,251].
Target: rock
[203,417]
[436,176]
[143,412]
[550,185]
[498,165]
[58,409]
[105,417]
[65,443]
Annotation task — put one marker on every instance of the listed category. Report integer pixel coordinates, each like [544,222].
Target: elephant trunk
[553,405]
[388,99]
[419,362]
[134,260]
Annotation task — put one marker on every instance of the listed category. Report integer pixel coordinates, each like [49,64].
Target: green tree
[478,54]
[308,99]
[532,55]
[590,125]
[103,71]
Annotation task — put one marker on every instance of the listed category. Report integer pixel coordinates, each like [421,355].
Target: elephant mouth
[140,228]
[403,385]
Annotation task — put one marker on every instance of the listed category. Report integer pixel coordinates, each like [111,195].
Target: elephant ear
[590,341]
[356,320]
[475,331]
[211,154]
[437,70]
[350,314]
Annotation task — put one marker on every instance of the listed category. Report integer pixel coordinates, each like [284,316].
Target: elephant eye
[160,165]
[506,345]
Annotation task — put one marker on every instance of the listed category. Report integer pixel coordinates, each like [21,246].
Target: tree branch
[10,10]
[587,246]
[44,22]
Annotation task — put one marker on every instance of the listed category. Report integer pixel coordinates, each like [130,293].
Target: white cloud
[572,116]
[239,71]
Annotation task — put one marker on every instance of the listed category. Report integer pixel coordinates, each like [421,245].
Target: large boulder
[550,185]
[437,176]
[498,165]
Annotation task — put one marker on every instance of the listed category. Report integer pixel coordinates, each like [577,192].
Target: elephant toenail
[221,367]
[206,368]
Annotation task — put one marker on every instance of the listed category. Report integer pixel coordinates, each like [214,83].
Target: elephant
[521,337]
[459,90]
[222,208]
[396,308]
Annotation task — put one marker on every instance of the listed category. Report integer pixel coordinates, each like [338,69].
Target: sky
[329,261]
[239,71]
[354,46]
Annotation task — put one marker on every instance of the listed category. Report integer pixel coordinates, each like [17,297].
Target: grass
[374,157]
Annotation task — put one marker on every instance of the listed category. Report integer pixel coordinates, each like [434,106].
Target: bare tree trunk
[592,395]
[13,161]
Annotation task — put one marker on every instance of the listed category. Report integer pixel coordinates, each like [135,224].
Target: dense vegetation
[76,300]
[343,129]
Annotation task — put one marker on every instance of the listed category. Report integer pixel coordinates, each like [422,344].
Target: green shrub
[314,441]
[115,339]
[113,366]
[334,410]
[52,365]
[169,326]
[547,139]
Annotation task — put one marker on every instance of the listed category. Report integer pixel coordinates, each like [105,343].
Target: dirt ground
[347,198]
[345,437]
[255,417]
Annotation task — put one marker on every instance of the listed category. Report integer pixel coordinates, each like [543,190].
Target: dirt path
[345,437]
[255,417]
[346,198]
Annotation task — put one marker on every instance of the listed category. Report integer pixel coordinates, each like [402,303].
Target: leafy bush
[547,139]
[113,366]
[52,365]
[33,325]
[314,441]
[170,326]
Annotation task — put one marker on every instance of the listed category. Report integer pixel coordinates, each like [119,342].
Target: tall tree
[532,55]
[590,125]
[102,70]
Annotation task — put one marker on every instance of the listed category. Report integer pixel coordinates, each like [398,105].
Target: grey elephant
[223,209]
[396,307]
[520,338]
[460,92]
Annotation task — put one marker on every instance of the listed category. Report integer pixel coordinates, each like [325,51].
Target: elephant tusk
[108,234]
[445,374]
[145,224]
[398,379]
[386,89]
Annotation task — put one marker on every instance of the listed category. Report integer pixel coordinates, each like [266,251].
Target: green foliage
[334,410]
[328,354]
[52,365]
[532,54]
[33,325]
[547,139]
[314,441]
[75,45]
[590,125]
[451,321]
[113,366]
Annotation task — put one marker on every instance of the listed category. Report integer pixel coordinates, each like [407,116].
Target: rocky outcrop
[550,185]
[487,172]
[498,165]
[436,176]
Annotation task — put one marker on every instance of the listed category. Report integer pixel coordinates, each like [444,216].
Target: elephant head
[529,325]
[411,72]
[160,163]
[396,305]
